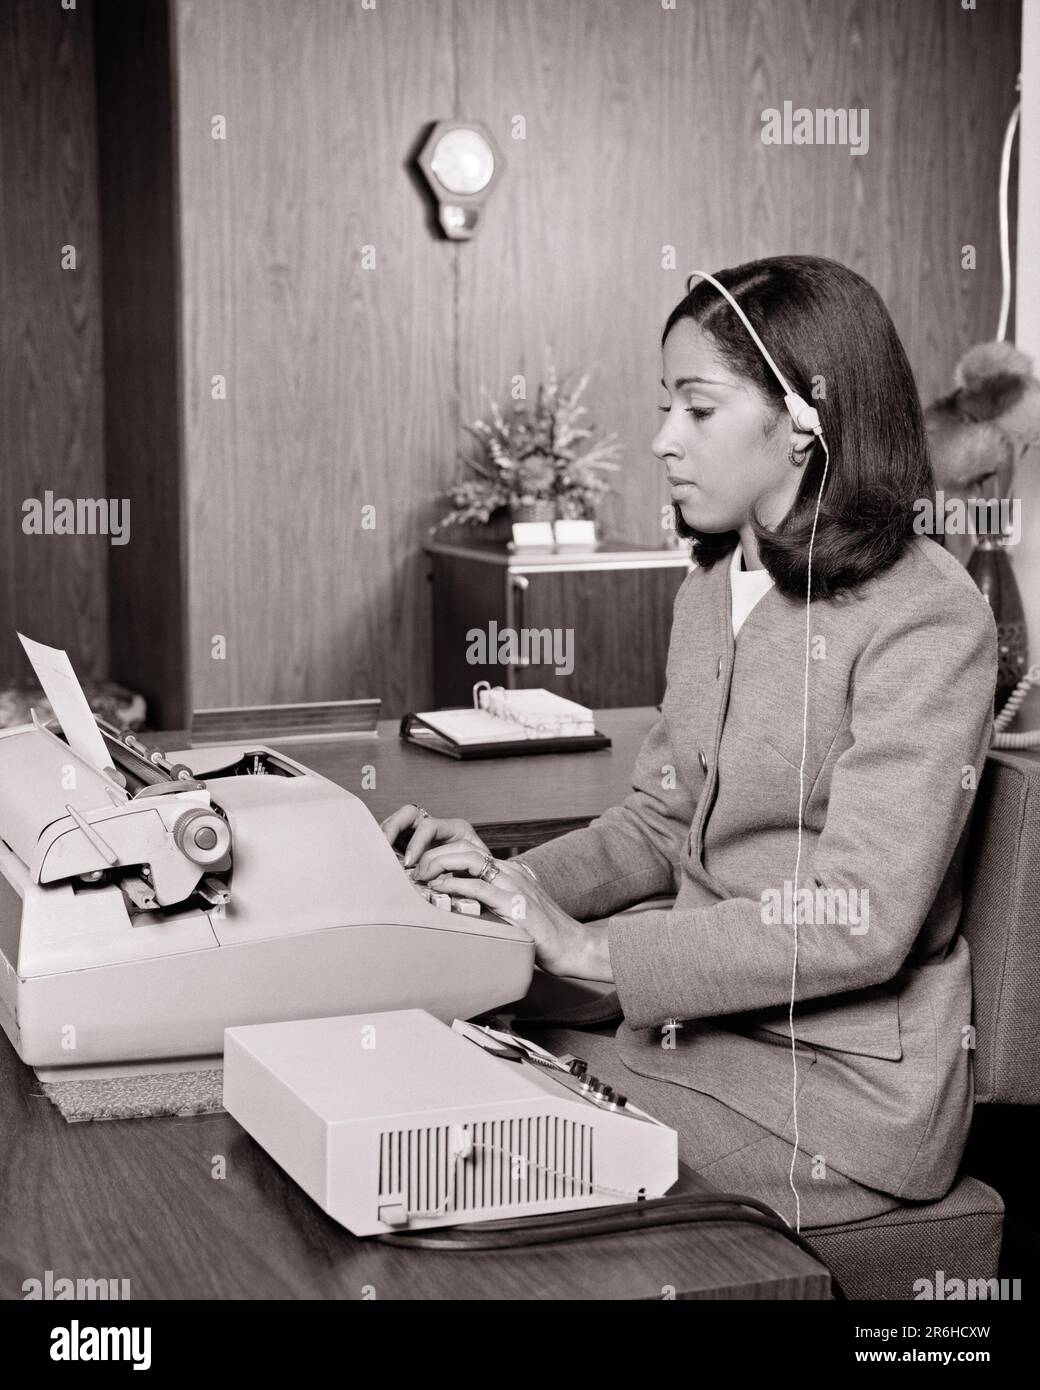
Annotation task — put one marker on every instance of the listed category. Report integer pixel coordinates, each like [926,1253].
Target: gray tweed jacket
[900,711]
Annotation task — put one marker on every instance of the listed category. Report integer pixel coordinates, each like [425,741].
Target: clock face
[463,161]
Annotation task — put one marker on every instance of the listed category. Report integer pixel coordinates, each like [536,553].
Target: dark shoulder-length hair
[834,341]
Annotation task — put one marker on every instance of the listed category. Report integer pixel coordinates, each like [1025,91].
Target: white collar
[747,587]
[749,578]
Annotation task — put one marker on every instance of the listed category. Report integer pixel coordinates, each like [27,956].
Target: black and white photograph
[519,675]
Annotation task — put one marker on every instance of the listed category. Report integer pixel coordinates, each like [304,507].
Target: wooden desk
[137,1199]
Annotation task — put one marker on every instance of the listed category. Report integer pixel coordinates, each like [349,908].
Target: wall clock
[461,163]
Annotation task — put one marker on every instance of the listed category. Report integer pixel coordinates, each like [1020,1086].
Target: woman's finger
[502,900]
[462,830]
[424,834]
[398,821]
[430,861]
[458,856]
[434,859]
[432,829]
[457,859]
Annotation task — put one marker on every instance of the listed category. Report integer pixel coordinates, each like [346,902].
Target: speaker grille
[533,1159]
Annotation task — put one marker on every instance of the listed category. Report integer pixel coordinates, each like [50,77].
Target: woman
[871,1102]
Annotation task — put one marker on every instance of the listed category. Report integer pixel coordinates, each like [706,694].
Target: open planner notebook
[505,722]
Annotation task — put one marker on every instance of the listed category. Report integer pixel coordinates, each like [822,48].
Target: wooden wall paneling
[570,252]
[142,423]
[339,378]
[643,130]
[52,587]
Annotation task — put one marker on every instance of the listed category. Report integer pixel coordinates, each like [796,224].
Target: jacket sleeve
[629,853]
[921,715]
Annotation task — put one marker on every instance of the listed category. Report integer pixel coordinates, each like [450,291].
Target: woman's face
[724,447]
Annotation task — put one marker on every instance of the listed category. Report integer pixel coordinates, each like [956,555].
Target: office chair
[883,1256]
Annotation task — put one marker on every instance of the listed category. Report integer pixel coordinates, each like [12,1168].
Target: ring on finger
[423,813]
[489,871]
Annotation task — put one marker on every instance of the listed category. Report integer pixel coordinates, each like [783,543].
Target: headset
[805,418]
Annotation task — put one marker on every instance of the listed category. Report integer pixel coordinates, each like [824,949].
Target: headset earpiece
[804,416]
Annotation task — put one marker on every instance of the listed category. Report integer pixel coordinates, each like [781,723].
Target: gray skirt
[731,1152]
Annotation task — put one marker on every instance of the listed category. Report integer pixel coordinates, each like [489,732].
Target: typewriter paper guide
[320,919]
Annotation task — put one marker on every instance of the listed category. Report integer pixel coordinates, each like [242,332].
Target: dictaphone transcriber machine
[395,1122]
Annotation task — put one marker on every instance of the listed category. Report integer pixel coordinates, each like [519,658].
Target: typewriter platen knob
[202,836]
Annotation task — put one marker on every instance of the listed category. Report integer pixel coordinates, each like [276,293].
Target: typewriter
[147,906]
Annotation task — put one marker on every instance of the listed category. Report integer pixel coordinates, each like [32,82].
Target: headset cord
[801,818]
[553,1227]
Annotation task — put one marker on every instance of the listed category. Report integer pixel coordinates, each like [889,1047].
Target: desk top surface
[138,1200]
[513,801]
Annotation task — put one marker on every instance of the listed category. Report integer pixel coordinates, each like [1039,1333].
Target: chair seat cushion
[946,1250]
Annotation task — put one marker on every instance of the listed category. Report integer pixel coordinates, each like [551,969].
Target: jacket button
[704,761]
[718,669]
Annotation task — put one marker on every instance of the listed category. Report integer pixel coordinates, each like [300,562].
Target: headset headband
[804,415]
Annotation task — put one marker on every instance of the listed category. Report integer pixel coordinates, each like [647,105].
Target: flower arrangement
[535,461]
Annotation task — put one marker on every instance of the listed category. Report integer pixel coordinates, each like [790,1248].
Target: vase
[990,567]
[542,510]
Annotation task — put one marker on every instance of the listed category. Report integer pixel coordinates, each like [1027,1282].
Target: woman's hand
[563,946]
[428,830]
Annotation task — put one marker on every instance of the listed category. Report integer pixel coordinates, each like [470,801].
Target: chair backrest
[1001,920]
